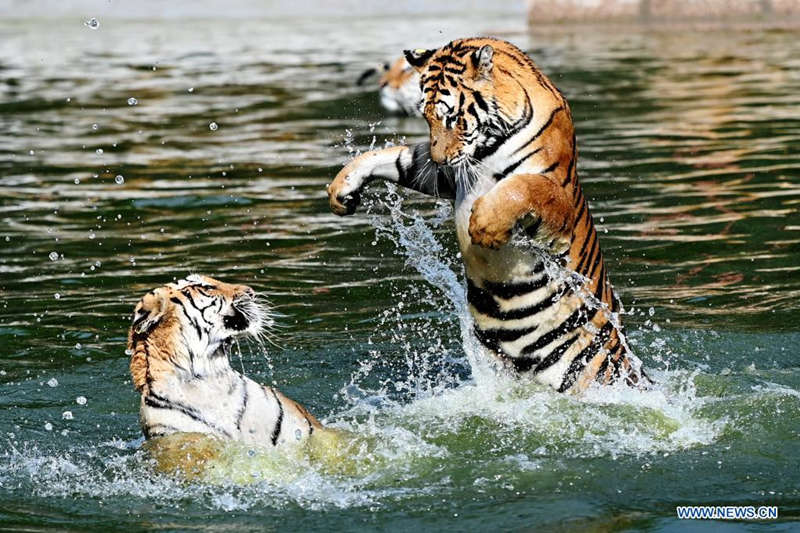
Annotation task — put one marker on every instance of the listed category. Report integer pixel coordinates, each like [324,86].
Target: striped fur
[398,87]
[502,146]
[179,344]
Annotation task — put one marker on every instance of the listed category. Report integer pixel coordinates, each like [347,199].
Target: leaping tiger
[502,146]
[179,343]
[398,87]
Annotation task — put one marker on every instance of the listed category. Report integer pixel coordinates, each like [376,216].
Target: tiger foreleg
[533,201]
[409,166]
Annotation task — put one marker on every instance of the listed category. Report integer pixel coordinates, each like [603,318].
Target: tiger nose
[437,150]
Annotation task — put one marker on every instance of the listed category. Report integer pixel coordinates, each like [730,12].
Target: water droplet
[31,152]
[191,89]
[77,181]
[52,382]
[94,127]
[99,151]
[80,400]
[213,126]
[78,346]
[92,235]
[132,101]
[119,179]
[67,415]
[57,296]
[128,352]
[298,434]
[92,23]
[48,426]
[53,256]
[651,311]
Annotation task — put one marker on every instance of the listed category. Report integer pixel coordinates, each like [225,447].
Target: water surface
[688,146]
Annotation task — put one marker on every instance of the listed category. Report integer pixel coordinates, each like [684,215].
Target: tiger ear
[149,312]
[482,60]
[418,57]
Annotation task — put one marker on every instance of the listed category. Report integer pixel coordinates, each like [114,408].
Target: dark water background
[689,155]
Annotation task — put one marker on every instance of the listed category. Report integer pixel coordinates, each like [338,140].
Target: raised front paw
[342,196]
[487,225]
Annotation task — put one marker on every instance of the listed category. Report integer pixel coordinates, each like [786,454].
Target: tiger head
[399,88]
[189,326]
[475,92]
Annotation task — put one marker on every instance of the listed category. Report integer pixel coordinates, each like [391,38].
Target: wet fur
[503,147]
[179,342]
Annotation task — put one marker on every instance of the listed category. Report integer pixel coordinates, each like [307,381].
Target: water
[689,157]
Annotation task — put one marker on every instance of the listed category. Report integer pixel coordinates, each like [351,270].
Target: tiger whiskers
[261,315]
[267,334]
[467,169]
[429,172]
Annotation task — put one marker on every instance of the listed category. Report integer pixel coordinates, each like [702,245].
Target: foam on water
[605,421]
[397,432]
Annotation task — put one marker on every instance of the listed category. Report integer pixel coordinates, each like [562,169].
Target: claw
[350,202]
[345,205]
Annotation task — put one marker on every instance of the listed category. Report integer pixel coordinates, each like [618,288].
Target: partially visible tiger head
[189,326]
[399,88]
[475,93]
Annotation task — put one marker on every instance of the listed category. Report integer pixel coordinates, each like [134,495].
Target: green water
[689,155]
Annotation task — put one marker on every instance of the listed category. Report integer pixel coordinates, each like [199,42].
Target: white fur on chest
[228,405]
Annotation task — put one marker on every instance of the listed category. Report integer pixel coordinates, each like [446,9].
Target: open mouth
[245,319]
[246,316]
[237,321]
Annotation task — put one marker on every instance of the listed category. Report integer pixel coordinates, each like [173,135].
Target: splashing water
[409,434]
[605,421]
[699,228]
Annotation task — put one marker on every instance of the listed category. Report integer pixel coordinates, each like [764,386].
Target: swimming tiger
[502,146]
[398,87]
[180,342]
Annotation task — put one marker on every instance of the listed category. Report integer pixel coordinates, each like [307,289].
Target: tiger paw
[487,226]
[544,235]
[342,196]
